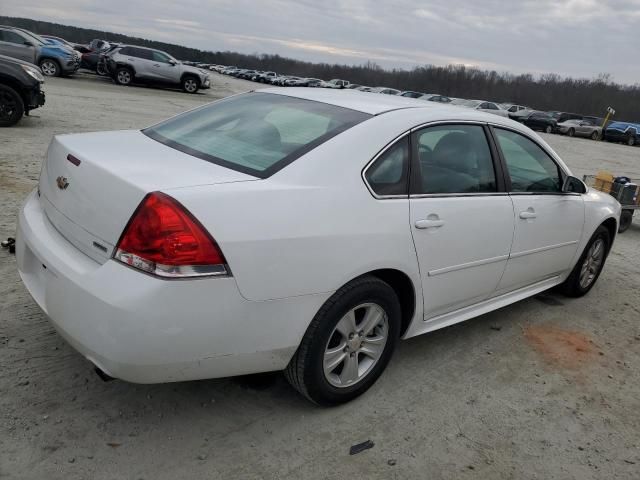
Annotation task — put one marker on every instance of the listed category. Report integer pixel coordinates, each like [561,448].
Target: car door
[166,69]
[461,218]
[141,60]
[13,45]
[548,223]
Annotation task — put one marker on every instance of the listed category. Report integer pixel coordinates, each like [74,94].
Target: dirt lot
[548,388]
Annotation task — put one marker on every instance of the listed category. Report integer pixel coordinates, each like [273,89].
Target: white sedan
[306,231]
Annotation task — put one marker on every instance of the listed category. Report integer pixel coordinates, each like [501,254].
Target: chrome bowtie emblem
[62,182]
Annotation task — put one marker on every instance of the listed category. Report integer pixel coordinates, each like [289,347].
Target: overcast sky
[580,38]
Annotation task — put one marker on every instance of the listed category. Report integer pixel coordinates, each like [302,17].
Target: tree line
[544,92]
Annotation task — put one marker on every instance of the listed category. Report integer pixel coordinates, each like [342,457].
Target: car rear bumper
[146,330]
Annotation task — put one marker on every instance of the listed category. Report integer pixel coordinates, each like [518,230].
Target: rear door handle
[528,213]
[422,224]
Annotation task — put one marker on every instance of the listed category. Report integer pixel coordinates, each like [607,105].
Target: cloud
[571,37]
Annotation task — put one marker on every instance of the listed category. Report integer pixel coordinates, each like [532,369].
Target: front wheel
[571,132]
[631,140]
[11,106]
[548,129]
[101,70]
[588,269]
[348,344]
[190,84]
[595,135]
[50,67]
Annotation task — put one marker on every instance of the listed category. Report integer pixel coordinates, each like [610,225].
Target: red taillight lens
[163,238]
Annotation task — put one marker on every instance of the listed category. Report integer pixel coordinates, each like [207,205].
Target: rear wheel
[11,106]
[631,140]
[50,67]
[101,69]
[626,218]
[124,76]
[548,129]
[190,84]
[571,132]
[588,269]
[595,135]
[348,344]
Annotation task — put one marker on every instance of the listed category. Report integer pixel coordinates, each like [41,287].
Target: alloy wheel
[190,85]
[592,263]
[124,77]
[355,345]
[49,68]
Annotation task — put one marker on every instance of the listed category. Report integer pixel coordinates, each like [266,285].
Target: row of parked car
[129,64]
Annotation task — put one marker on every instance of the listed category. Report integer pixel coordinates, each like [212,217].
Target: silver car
[580,128]
[129,64]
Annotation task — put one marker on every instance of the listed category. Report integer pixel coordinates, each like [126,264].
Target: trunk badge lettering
[62,182]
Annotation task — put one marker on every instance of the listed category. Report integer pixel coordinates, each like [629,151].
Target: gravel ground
[547,388]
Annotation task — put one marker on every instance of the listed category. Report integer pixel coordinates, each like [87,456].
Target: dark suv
[19,89]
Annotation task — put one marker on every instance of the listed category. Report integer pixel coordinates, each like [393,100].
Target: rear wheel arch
[404,288]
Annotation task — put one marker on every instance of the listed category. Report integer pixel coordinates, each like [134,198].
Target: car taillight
[163,238]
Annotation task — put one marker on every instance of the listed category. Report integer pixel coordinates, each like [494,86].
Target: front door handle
[422,224]
[528,213]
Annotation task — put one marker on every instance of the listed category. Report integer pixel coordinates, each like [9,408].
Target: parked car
[59,41]
[337,83]
[580,128]
[484,106]
[625,132]
[540,121]
[245,240]
[411,94]
[433,97]
[130,64]
[386,91]
[364,89]
[564,116]
[53,60]
[265,76]
[354,86]
[20,90]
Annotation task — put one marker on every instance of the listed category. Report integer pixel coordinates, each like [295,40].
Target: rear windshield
[255,133]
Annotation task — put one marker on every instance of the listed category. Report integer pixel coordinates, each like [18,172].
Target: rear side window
[388,174]
[452,159]
[255,133]
[530,168]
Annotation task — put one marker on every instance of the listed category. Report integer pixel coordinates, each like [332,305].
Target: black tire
[190,84]
[626,218]
[50,67]
[548,129]
[595,135]
[101,70]
[572,286]
[571,132]
[305,371]
[631,140]
[11,106]
[123,76]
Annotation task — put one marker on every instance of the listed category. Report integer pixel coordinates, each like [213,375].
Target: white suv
[129,64]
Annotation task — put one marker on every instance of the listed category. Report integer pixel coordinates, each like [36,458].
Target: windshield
[255,133]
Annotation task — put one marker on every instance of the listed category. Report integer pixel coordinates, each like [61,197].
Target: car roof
[377,104]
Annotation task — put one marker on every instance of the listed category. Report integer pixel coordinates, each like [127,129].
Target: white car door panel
[462,224]
[547,231]
[548,223]
[460,268]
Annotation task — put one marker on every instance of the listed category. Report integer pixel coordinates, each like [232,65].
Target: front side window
[530,168]
[12,37]
[161,57]
[255,133]
[452,159]
[388,174]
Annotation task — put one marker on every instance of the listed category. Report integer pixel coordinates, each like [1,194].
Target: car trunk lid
[91,184]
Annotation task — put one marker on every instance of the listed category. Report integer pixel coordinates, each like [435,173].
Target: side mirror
[573,185]
[173,63]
